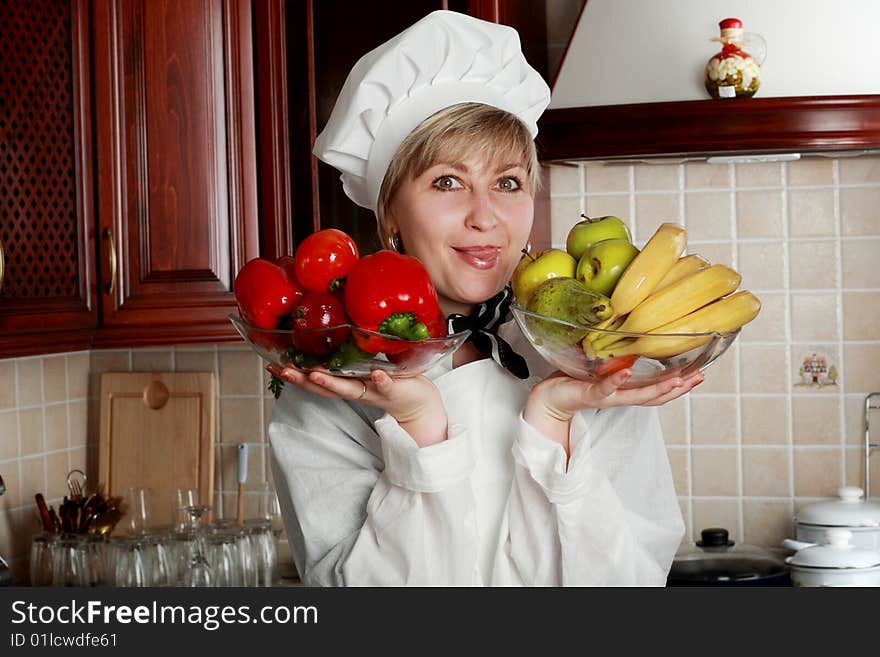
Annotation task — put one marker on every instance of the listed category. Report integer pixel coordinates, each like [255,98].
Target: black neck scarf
[483,323]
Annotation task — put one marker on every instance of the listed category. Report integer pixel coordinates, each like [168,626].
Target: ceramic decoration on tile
[815,370]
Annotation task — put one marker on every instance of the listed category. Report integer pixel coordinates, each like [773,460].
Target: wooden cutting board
[157,432]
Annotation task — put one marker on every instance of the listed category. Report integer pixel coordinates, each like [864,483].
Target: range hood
[631,81]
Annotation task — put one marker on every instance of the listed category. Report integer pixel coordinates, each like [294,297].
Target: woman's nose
[481,213]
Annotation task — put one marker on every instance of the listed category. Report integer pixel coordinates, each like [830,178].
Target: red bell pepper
[391,293]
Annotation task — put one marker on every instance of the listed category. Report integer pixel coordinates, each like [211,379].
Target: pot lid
[715,559]
[849,510]
[837,552]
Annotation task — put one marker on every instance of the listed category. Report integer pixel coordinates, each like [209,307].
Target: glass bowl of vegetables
[347,350]
[588,353]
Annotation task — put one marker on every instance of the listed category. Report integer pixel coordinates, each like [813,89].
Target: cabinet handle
[108,235]
[2,264]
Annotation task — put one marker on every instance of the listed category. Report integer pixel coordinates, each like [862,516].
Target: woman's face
[468,223]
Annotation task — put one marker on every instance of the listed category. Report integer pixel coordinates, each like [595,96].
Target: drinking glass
[223,556]
[269,509]
[131,567]
[42,546]
[157,560]
[139,512]
[244,550]
[96,547]
[263,548]
[182,548]
[70,562]
[182,498]
[199,571]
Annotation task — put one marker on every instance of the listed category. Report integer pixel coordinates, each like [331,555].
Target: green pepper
[347,353]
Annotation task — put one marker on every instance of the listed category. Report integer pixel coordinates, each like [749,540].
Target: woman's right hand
[414,402]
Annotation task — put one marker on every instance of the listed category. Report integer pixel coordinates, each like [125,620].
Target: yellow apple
[533,270]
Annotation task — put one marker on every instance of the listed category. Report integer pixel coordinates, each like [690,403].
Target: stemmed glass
[199,572]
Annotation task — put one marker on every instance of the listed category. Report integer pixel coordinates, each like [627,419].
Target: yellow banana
[605,325]
[682,297]
[648,268]
[685,266]
[722,316]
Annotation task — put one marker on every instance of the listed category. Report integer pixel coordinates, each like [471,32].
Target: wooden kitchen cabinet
[139,243]
[176,166]
[47,262]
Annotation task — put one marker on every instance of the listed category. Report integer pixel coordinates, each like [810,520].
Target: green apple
[591,230]
[533,270]
[602,264]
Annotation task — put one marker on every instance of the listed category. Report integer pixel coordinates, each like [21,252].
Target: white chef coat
[494,504]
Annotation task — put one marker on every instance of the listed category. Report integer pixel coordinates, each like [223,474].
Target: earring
[395,242]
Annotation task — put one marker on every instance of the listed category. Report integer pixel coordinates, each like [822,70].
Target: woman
[470,474]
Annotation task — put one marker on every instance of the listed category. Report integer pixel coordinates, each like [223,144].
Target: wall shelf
[710,127]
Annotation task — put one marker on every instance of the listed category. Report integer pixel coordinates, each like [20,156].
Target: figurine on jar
[733,72]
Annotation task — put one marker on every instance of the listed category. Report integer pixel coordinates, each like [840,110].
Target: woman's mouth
[479,257]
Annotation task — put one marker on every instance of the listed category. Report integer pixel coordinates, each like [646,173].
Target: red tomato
[323,257]
[264,293]
[288,266]
[318,311]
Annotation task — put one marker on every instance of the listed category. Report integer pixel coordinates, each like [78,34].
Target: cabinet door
[47,291]
[177,192]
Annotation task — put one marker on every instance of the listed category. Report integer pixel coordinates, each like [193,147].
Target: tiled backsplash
[49,425]
[755,442]
[779,421]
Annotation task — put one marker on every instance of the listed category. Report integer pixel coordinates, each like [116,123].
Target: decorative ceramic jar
[734,72]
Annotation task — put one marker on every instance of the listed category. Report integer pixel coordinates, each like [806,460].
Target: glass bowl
[668,355]
[288,348]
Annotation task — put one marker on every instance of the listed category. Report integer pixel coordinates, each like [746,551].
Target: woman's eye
[447,183]
[509,184]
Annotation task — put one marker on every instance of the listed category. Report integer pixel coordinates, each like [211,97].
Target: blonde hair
[451,135]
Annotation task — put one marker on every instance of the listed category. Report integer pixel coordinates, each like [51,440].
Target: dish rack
[872,401]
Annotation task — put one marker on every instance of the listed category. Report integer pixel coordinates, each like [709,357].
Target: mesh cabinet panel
[38,211]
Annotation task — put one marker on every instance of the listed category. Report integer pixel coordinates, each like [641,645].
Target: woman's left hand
[553,402]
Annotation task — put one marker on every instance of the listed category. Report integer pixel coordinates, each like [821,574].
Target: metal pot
[849,511]
[836,562]
[715,560]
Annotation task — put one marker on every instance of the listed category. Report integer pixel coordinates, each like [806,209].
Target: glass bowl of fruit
[587,353]
[665,315]
[347,350]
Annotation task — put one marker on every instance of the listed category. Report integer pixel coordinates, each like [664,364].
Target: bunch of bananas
[663,292]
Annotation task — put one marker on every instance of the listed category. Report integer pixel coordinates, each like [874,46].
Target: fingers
[609,385]
[300,379]
[659,393]
[382,381]
[338,386]
[689,384]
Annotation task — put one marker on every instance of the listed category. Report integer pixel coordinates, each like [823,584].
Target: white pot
[837,562]
[849,511]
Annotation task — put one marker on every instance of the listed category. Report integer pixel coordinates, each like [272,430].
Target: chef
[490,469]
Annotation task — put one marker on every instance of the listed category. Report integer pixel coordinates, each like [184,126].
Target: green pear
[568,300]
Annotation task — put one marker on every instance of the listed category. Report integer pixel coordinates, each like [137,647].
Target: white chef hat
[444,59]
